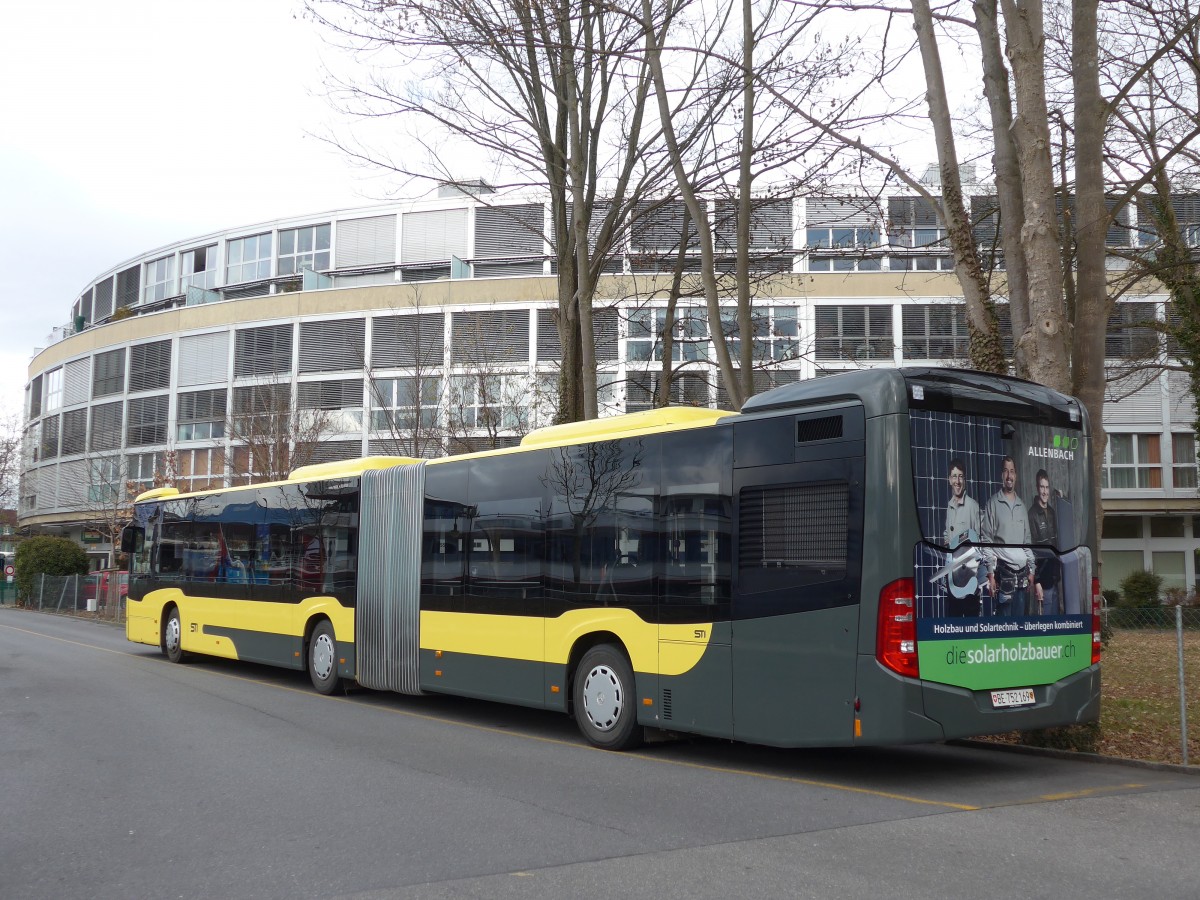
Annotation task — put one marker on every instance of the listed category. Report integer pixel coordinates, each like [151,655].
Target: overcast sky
[130,124]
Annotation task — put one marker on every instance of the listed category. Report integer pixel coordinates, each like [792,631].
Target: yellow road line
[828,785]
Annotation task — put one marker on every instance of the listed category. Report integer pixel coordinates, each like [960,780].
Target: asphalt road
[124,776]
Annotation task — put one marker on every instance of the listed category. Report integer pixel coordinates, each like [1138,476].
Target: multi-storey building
[429,327]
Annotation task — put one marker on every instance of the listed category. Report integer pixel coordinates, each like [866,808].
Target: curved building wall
[427,328]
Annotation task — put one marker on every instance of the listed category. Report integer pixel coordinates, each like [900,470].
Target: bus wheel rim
[603,698]
[173,631]
[323,656]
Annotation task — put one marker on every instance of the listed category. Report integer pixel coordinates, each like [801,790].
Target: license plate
[1017,697]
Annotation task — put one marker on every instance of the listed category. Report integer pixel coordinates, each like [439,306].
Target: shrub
[46,555]
[1141,589]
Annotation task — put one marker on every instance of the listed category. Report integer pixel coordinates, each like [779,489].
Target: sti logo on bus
[1064,447]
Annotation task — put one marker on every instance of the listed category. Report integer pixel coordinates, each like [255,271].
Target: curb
[1053,753]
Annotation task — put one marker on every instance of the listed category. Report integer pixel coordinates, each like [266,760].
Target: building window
[105,433]
[303,248]
[249,259]
[1132,331]
[858,333]
[159,280]
[404,404]
[1183,460]
[35,397]
[74,431]
[935,331]
[1132,461]
[689,335]
[776,333]
[819,263]
[147,421]
[201,415]
[150,366]
[263,351]
[108,373]
[50,437]
[490,402]
[54,390]
[198,268]
[200,470]
[105,482]
[336,406]
[146,469]
[844,240]
[641,391]
[1123,527]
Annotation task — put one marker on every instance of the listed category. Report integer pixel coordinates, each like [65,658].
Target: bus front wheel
[322,659]
[172,636]
[602,696]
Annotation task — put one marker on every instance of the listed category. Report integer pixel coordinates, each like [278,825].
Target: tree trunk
[987,351]
[1091,231]
[1009,195]
[1044,347]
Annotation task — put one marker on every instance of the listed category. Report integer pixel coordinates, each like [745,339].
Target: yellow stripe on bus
[660,649]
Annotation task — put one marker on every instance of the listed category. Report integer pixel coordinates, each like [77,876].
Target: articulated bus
[875,557]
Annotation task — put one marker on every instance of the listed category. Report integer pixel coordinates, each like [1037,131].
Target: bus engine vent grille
[826,428]
[666,703]
[802,527]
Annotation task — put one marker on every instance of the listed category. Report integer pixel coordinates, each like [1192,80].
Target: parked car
[100,584]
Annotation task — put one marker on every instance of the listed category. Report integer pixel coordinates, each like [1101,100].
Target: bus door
[695,533]
[798,504]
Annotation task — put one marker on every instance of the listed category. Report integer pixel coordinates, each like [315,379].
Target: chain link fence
[99,595]
[1151,680]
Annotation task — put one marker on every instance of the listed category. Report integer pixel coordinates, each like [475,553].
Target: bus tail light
[896,631]
[1095,620]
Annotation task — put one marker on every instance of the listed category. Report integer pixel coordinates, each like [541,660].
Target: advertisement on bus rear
[1003,576]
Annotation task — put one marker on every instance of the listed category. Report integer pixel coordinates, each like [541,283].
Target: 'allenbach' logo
[1064,447]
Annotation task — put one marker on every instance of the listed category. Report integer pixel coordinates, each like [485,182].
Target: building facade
[430,327]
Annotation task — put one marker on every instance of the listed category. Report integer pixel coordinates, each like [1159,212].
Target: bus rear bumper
[965,713]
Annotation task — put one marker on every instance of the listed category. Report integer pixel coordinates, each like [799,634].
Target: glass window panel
[1148,451]
[1120,448]
[818,265]
[818,237]
[1168,565]
[305,241]
[287,242]
[322,237]
[1166,526]
[1123,527]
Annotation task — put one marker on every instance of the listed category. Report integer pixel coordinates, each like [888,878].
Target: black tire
[323,659]
[603,698]
[172,636]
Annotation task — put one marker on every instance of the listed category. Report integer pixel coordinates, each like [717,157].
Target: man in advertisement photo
[1010,567]
[963,525]
[1043,528]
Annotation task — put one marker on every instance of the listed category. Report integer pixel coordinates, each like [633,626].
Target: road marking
[1089,792]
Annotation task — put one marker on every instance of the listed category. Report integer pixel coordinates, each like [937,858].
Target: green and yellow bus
[875,557]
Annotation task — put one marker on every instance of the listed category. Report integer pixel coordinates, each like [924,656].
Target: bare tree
[10,460]
[271,436]
[553,93]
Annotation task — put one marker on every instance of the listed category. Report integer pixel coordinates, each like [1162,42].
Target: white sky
[133,123]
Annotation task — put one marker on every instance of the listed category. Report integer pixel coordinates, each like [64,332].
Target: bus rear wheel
[602,695]
[323,659]
[172,636]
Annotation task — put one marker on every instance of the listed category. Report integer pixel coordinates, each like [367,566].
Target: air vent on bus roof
[825,428]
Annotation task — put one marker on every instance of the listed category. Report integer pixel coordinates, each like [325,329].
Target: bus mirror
[132,538]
